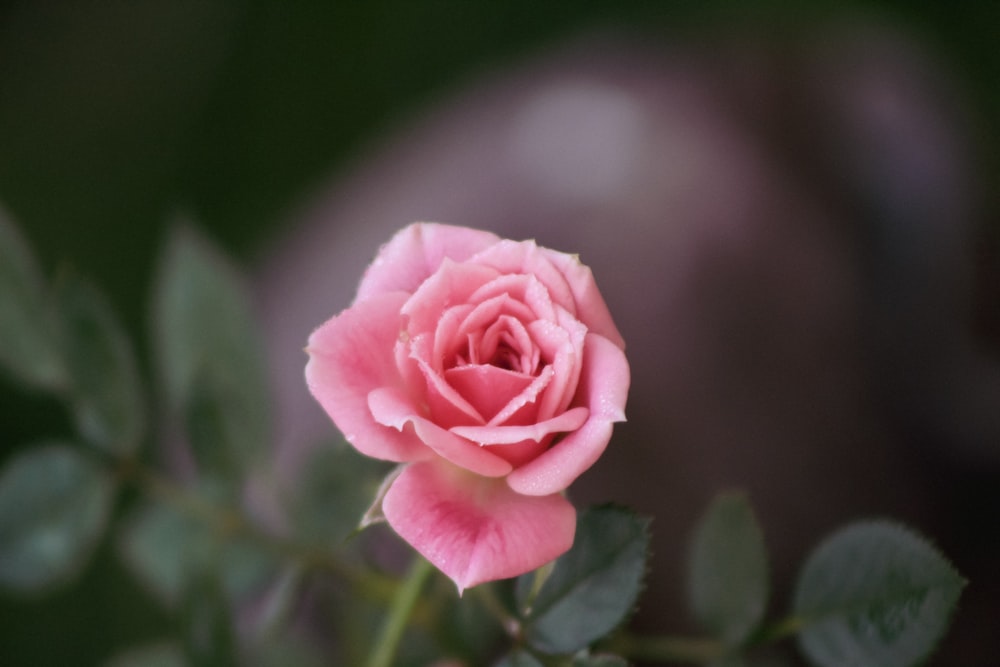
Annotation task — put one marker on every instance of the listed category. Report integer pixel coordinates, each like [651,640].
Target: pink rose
[494,370]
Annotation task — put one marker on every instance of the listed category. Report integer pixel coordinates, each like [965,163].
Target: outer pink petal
[349,356]
[415,252]
[391,408]
[603,388]
[475,529]
[590,306]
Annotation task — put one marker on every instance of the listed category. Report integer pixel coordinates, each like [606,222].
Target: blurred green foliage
[728,581]
[874,593]
[115,115]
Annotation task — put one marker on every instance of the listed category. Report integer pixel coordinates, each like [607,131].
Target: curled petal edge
[391,407]
[604,388]
[508,435]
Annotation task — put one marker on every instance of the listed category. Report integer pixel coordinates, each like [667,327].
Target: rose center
[487,388]
[504,344]
[494,365]
[506,358]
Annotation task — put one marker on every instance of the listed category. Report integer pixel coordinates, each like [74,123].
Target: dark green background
[115,115]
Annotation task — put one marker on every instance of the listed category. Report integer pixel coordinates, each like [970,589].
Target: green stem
[389,636]
[778,630]
[488,597]
[695,650]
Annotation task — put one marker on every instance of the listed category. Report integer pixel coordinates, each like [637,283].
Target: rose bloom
[493,369]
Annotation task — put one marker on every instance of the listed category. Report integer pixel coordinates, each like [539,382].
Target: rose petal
[603,388]
[506,343]
[415,252]
[390,407]
[523,409]
[525,257]
[487,388]
[525,288]
[519,453]
[447,339]
[591,308]
[561,344]
[447,406]
[349,356]
[508,435]
[474,529]
[451,284]
[453,334]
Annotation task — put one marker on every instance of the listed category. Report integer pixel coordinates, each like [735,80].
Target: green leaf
[519,659]
[162,546]
[54,505]
[30,347]
[104,386]
[874,593]
[593,587]
[728,579]
[209,353]
[165,549]
[165,654]
[216,430]
[336,487]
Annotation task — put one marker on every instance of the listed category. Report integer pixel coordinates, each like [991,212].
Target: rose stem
[384,648]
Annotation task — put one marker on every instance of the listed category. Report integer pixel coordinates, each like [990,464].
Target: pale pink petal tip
[416,252]
[476,529]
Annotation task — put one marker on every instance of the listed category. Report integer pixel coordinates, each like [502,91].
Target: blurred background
[792,208]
